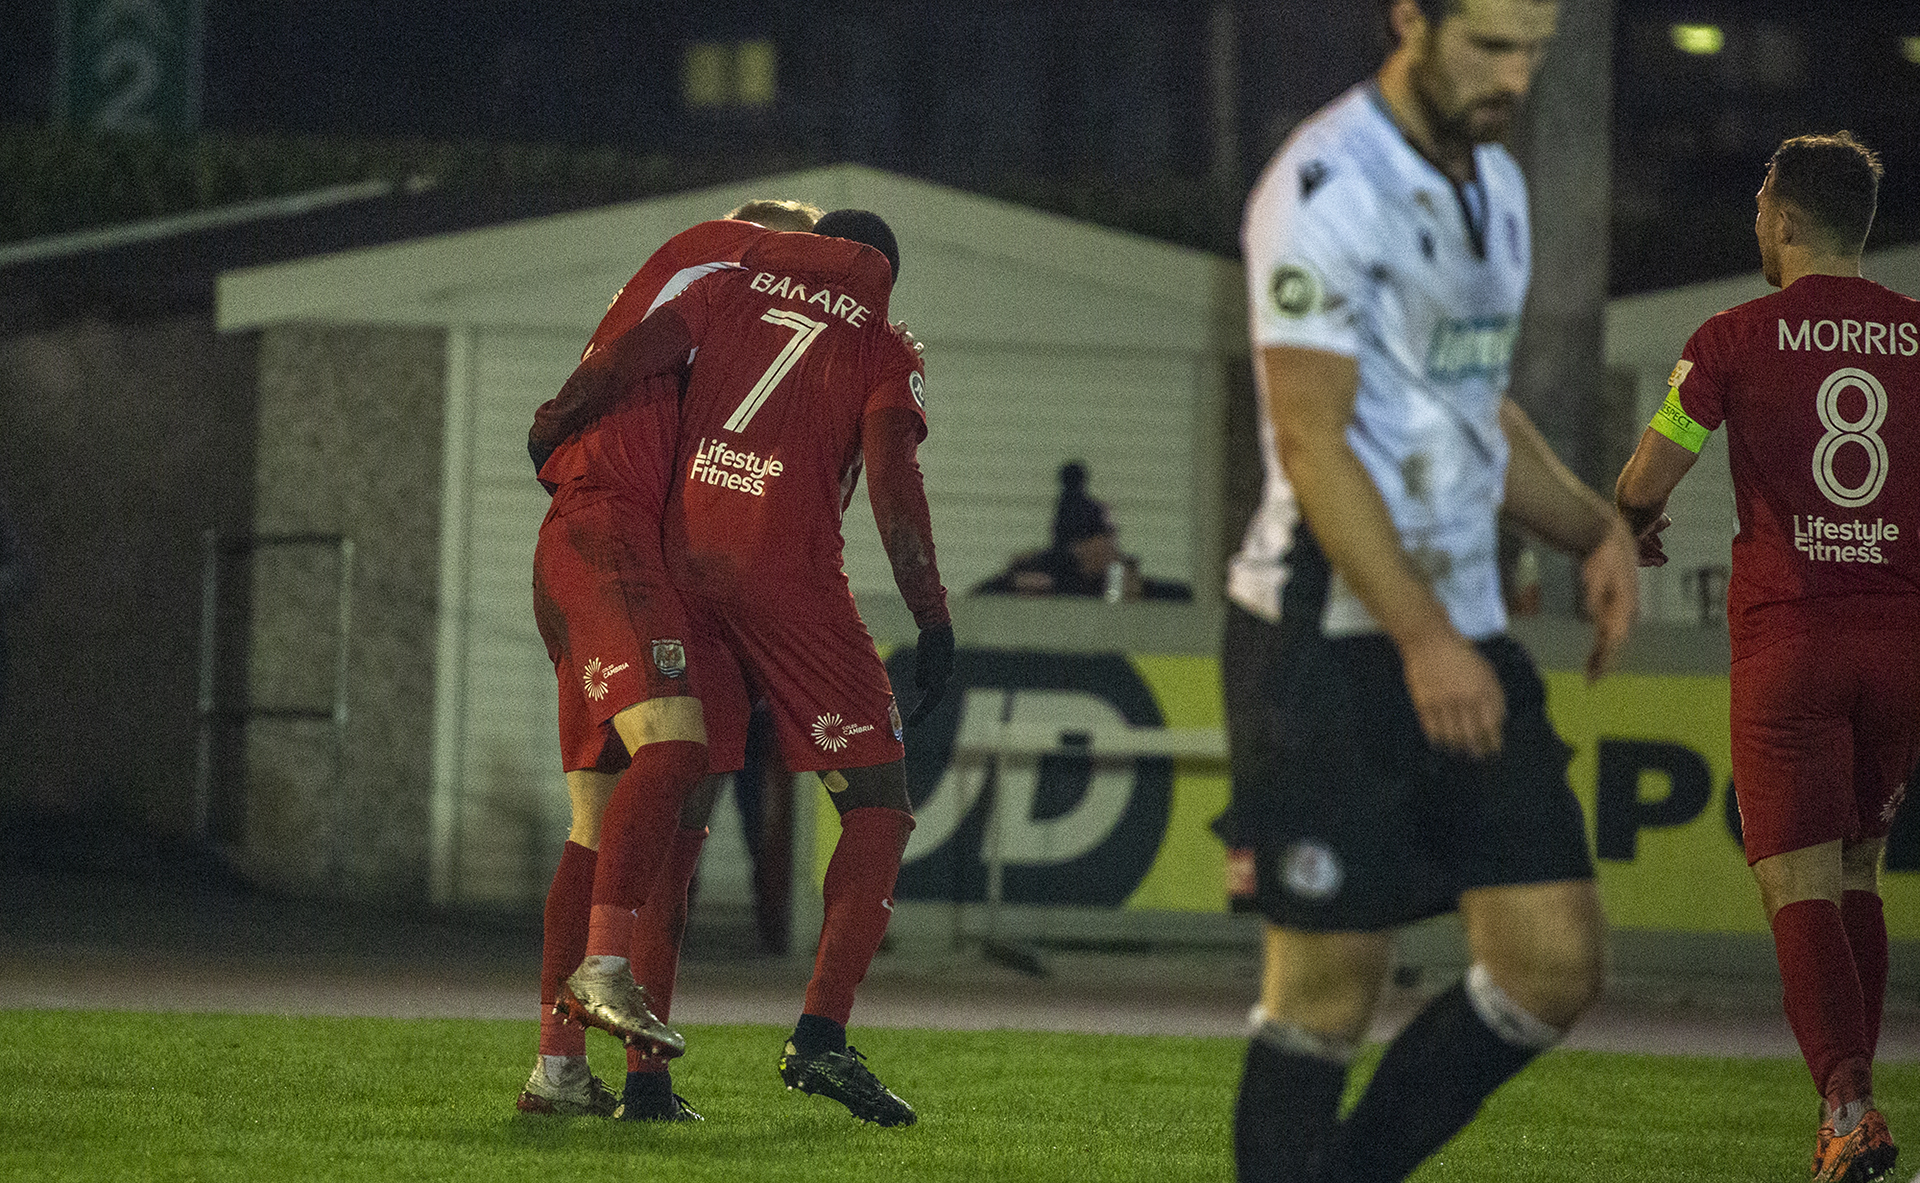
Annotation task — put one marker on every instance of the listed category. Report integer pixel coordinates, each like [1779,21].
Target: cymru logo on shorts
[670,658]
[595,677]
[833,733]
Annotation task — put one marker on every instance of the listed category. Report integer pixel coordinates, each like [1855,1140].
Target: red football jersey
[630,447]
[793,351]
[1819,386]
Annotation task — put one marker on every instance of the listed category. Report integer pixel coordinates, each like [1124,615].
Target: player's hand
[539,451]
[919,347]
[1611,580]
[932,669]
[1458,697]
[1653,553]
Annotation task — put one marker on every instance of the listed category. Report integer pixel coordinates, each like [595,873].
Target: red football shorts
[1826,730]
[615,629]
[819,673]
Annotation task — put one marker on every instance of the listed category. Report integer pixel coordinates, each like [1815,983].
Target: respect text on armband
[1826,541]
[843,306]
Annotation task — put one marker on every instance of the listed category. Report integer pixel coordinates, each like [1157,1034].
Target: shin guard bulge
[858,895]
[1822,997]
[658,929]
[640,820]
[563,943]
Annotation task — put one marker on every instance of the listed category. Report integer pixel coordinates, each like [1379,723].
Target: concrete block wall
[350,426]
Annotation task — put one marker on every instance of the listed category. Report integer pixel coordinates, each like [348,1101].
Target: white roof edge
[402,281]
[108,237]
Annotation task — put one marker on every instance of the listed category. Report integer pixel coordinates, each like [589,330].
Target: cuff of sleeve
[934,616]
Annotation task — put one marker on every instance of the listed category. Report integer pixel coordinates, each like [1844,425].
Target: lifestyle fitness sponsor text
[716,462]
[1826,541]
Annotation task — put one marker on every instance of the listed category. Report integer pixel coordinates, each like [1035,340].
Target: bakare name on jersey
[715,463]
[843,306]
[1851,336]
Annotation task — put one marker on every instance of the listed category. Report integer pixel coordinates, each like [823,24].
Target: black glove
[539,452]
[932,669]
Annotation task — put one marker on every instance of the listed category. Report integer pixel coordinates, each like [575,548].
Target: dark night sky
[1105,91]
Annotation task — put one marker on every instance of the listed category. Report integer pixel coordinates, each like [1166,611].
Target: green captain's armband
[1674,423]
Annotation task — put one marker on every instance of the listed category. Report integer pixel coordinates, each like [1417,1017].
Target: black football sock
[815,1034]
[1286,1108]
[647,1094]
[1429,1084]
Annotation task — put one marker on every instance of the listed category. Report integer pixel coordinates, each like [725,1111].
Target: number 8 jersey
[1819,386]
[792,352]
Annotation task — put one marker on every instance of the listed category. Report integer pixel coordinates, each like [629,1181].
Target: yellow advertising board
[1650,767]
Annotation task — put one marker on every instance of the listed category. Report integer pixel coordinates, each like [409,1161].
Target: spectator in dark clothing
[1084,558]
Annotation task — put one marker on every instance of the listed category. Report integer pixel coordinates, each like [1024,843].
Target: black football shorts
[1358,825]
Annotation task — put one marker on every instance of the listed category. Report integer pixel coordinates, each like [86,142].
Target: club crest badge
[1311,870]
[1294,290]
[670,658]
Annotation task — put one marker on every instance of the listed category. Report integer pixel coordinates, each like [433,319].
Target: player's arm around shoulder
[1546,497]
[657,345]
[1310,397]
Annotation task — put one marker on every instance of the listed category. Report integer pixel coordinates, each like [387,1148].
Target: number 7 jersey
[792,352]
[1819,386]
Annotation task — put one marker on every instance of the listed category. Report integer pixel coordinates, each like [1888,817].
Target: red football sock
[563,944]
[1822,997]
[859,901]
[657,931]
[1866,922]
[640,819]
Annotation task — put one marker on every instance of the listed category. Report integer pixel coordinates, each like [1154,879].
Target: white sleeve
[1308,274]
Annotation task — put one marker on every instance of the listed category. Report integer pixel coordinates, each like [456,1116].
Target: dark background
[1021,96]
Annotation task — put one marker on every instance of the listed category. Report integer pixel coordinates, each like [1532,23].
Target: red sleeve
[1701,373]
[657,345]
[890,441]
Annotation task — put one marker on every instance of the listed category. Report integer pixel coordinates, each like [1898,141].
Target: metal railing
[211,713]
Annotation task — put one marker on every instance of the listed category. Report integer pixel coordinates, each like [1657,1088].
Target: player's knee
[1860,865]
[1556,981]
[1324,982]
[882,786]
[659,720]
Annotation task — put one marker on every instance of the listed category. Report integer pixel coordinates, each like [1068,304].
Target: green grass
[93,1096]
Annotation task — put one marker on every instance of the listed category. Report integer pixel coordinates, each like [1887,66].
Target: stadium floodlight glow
[1700,40]
[1910,49]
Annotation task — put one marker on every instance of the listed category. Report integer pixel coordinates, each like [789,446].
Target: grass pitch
[108,1096]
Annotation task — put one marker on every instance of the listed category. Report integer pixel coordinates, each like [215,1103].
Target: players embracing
[794,383]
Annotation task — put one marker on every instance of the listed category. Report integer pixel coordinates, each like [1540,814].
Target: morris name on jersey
[715,463]
[845,307]
[1851,336]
